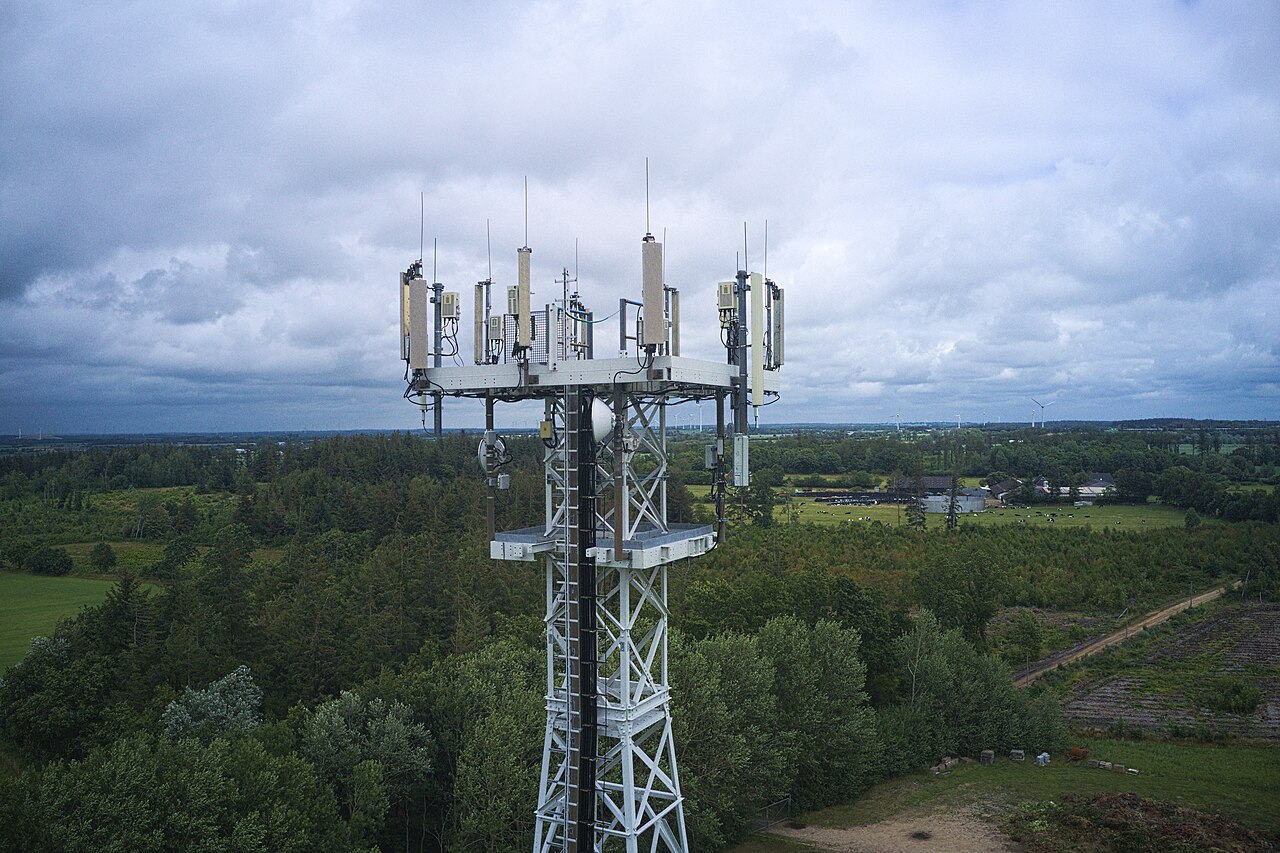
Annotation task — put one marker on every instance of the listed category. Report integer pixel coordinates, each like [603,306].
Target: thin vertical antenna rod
[488,247]
[575,261]
[526,211]
[745,261]
[766,248]
[435,253]
[664,257]
[422,222]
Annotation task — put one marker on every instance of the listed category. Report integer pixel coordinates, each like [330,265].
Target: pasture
[131,556]
[1230,780]
[32,605]
[1224,779]
[1112,517]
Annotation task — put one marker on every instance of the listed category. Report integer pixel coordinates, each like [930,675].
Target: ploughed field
[1220,674]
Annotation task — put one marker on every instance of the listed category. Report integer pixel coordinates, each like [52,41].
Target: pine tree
[915,514]
[953,505]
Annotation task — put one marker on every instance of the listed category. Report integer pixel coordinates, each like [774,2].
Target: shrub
[102,557]
[48,561]
[1122,728]
[1229,695]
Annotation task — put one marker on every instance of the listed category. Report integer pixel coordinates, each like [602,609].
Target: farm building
[1006,490]
[1097,485]
[964,502]
[927,484]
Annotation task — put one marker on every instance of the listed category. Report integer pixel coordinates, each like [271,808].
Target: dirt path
[1153,618]
[905,833]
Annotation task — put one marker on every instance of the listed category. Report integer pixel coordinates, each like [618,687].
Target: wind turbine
[1042,406]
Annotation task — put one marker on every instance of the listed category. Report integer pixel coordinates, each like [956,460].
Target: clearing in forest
[1218,675]
[32,605]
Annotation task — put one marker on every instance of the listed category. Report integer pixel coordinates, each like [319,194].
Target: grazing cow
[1077,753]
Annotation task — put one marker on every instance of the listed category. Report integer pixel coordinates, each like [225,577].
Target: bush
[1228,695]
[102,557]
[48,561]
[1125,730]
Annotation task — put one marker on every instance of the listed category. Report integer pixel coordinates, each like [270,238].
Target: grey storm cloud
[204,207]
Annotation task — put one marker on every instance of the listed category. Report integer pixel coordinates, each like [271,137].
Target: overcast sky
[204,208]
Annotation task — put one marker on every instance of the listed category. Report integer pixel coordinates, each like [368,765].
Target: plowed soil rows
[1243,642]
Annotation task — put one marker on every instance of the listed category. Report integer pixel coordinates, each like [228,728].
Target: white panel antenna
[757,338]
[778,326]
[654,331]
[675,322]
[478,322]
[419,325]
[404,317]
[524,325]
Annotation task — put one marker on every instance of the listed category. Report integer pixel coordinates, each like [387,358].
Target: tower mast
[610,779]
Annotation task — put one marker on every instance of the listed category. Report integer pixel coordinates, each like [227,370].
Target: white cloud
[202,215]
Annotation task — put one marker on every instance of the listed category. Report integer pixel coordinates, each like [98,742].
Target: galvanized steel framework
[607,637]
[610,778]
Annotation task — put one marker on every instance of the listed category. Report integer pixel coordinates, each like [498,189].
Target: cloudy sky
[204,207]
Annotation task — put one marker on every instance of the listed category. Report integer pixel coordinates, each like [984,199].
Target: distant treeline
[1026,453]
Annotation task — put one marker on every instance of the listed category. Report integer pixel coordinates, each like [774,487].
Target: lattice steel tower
[610,778]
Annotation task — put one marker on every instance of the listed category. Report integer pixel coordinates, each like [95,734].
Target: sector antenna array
[610,778]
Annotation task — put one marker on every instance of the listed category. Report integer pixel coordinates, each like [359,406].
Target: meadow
[32,605]
[134,557]
[1211,778]
[1114,516]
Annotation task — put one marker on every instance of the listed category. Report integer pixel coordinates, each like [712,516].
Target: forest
[322,656]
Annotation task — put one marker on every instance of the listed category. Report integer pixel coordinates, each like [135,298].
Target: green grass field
[134,556]
[1117,516]
[1236,781]
[31,605]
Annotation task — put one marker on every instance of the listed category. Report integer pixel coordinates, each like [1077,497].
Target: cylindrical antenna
[745,260]
[766,248]
[526,211]
[435,253]
[647,230]
[422,222]
[488,247]
[575,261]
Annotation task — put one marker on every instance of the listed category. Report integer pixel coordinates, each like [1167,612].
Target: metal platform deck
[650,547]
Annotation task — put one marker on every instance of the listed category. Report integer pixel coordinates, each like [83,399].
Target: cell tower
[610,780]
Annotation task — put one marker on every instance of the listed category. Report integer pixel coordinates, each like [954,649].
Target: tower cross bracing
[610,778]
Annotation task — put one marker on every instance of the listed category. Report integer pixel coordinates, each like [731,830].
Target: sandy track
[1153,618]
[905,833]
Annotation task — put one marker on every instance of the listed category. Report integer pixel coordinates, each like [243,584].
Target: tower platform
[650,546]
